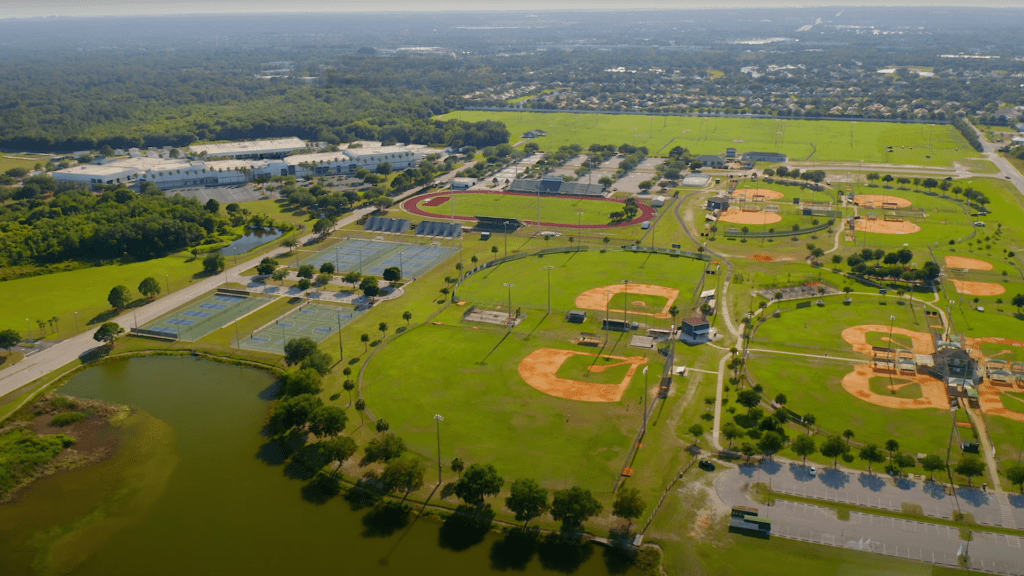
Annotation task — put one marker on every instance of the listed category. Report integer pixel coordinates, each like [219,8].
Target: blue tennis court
[372,257]
[201,317]
[314,321]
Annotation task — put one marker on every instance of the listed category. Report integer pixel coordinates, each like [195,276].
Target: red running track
[411,206]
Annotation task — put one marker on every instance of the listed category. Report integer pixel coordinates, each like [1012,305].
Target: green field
[1013,401]
[1002,352]
[820,141]
[820,328]
[470,377]
[880,385]
[814,386]
[576,272]
[553,210]
[651,304]
[579,368]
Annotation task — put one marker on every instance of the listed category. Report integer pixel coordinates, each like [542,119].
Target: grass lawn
[277,210]
[1007,438]
[576,272]
[468,374]
[820,141]
[524,207]
[815,329]
[978,166]
[8,359]
[580,368]
[884,340]
[814,386]
[84,291]
[27,161]
[1002,352]
[880,385]
[1013,401]
[651,304]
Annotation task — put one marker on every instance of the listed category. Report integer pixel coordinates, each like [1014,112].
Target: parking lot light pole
[438,419]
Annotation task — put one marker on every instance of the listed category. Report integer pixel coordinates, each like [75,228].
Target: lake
[253,238]
[194,488]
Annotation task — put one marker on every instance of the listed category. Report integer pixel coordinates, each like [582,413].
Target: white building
[256,149]
[169,173]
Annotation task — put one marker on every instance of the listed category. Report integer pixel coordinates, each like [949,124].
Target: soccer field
[815,140]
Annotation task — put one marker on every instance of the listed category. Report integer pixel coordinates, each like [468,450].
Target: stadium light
[438,419]
[625,303]
[510,286]
[549,287]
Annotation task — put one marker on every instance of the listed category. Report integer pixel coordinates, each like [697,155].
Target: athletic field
[314,321]
[814,140]
[200,317]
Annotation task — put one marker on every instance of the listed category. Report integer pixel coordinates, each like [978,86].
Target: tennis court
[371,257]
[201,317]
[314,321]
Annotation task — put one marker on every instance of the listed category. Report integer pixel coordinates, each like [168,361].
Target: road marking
[1012,541]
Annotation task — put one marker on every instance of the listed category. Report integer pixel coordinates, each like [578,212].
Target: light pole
[29,324]
[645,399]
[341,347]
[510,286]
[462,269]
[77,331]
[505,228]
[167,281]
[625,303]
[607,302]
[438,419]
[549,287]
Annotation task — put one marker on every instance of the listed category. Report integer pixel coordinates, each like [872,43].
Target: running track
[411,206]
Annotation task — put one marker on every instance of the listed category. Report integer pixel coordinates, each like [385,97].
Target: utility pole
[549,287]
[438,419]
[510,286]
[341,347]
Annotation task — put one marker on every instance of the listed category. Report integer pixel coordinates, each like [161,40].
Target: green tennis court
[201,317]
[315,321]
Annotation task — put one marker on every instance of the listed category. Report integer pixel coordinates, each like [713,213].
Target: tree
[405,474]
[804,446]
[213,263]
[384,448]
[749,398]
[319,361]
[527,500]
[323,225]
[781,399]
[297,349]
[573,506]
[970,467]
[120,297]
[731,432]
[748,450]
[808,421]
[891,446]
[9,338]
[369,287]
[349,386]
[1015,474]
[770,443]
[323,279]
[383,327]
[407,316]
[304,284]
[382,425]
[352,277]
[307,271]
[697,431]
[872,455]
[279,275]
[293,412]
[393,274]
[628,504]
[338,449]
[149,287]
[304,381]
[933,463]
[108,332]
[327,421]
[1018,301]
[266,266]
[903,461]
[458,466]
[833,447]
[848,434]
[481,480]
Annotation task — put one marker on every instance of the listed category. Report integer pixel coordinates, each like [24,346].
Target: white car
[812,471]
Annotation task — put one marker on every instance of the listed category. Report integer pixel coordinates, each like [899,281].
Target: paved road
[881,491]
[907,539]
[58,355]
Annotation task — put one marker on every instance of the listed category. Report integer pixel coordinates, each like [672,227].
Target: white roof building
[276,148]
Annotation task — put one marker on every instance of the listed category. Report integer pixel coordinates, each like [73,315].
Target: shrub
[67,418]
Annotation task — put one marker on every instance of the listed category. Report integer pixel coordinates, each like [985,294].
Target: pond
[253,238]
[194,488]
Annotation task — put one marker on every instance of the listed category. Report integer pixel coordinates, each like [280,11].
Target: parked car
[707,465]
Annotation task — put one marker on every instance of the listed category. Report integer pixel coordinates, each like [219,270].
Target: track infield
[554,211]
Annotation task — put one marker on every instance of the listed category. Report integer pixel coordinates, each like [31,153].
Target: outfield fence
[736,233]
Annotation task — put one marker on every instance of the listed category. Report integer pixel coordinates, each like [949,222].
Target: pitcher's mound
[967,263]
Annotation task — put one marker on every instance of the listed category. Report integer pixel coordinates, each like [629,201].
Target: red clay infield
[412,206]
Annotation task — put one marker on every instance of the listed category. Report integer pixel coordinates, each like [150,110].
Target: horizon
[35,9]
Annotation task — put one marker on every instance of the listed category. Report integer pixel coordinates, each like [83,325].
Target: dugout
[576,316]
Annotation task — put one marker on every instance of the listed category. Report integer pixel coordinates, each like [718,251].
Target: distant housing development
[249,161]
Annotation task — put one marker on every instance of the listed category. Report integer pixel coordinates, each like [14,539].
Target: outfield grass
[553,209]
[815,387]
[820,328]
[576,272]
[821,141]
[1008,439]
[470,377]
[1007,353]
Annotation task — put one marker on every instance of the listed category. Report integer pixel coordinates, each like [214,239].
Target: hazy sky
[28,8]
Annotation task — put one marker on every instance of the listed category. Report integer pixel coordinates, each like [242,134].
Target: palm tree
[364,339]
[847,434]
